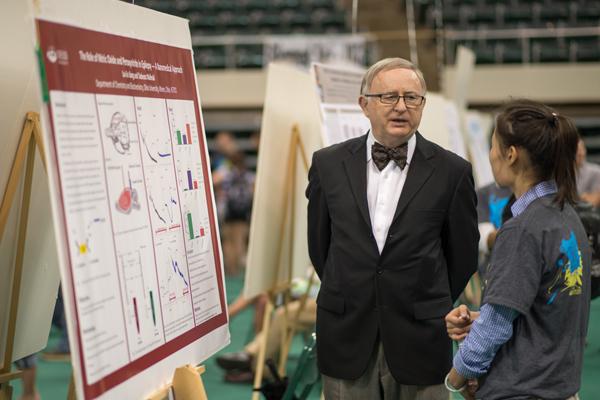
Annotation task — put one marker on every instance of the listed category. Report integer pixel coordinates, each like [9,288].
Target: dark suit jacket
[402,295]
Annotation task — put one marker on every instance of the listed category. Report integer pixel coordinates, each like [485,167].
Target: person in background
[225,146]
[527,341]
[241,303]
[238,189]
[61,351]
[392,233]
[29,367]
[588,177]
[491,203]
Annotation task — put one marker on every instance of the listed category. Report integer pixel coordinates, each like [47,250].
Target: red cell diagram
[128,199]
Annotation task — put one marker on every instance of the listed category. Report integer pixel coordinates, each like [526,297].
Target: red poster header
[80,60]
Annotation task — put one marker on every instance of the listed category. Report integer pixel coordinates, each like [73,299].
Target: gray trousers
[377,383]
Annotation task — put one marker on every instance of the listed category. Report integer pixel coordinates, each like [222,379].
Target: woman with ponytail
[527,340]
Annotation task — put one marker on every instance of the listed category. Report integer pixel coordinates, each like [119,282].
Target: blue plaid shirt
[494,327]
[542,189]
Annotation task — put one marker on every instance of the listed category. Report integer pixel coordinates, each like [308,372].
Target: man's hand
[458,322]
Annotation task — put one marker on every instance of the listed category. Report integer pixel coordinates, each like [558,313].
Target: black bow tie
[382,155]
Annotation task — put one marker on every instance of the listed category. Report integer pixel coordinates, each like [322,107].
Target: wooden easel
[186,384]
[282,287]
[30,136]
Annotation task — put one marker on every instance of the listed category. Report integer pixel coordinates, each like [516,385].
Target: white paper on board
[479,127]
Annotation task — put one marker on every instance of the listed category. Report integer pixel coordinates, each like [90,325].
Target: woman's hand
[456,381]
[472,386]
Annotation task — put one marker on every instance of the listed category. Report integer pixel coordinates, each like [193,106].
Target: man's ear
[362,102]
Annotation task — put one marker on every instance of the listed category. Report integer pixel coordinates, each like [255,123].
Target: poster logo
[54,55]
[51,54]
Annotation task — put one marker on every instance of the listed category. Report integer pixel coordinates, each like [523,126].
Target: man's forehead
[397,78]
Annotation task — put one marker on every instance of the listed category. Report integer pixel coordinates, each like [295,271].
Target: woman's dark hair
[549,138]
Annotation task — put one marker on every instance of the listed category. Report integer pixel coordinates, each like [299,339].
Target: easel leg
[16,169]
[25,153]
[260,362]
[290,206]
[6,391]
[71,393]
[285,347]
[288,331]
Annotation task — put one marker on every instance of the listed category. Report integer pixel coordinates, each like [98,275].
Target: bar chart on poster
[132,172]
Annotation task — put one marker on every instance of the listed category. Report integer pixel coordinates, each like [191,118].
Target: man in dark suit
[394,244]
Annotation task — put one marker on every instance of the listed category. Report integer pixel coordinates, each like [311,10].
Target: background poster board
[132,197]
[338,89]
[456,138]
[39,285]
[286,85]
[479,128]
[441,124]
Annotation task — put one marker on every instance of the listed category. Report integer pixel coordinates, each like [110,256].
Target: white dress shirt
[383,190]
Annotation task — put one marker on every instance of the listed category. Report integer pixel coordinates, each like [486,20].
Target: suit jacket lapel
[356,169]
[419,171]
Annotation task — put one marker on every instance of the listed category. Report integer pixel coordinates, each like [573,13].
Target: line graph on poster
[164,205]
[165,211]
[153,155]
[174,286]
[153,128]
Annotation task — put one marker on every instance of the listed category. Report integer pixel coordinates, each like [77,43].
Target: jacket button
[379,271]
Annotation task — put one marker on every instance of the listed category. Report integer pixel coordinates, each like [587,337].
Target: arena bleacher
[231,35]
[245,23]
[504,32]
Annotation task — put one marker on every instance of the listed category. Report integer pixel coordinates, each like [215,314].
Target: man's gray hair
[387,64]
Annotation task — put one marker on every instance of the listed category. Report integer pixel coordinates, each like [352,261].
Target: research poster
[338,89]
[142,272]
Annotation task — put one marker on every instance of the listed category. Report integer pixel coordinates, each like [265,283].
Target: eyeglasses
[410,100]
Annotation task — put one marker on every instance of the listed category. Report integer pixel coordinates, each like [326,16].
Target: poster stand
[30,136]
[282,287]
[186,384]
